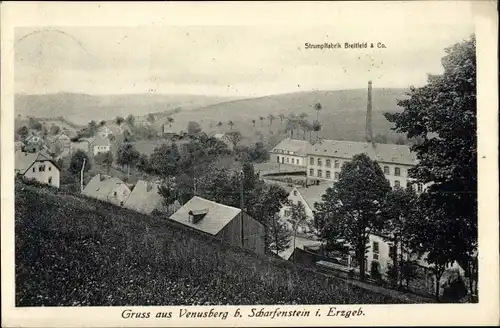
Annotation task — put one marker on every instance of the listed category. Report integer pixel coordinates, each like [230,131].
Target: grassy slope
[343,114]
[78,251]
[81,108]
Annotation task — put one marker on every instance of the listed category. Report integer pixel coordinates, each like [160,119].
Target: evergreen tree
[279,235]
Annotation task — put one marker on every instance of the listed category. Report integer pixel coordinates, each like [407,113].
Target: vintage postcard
[249,164]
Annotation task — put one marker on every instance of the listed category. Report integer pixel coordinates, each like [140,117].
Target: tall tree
[76,162]
[279,235]
[130,120]
[351,209]
[219,124]
[119,120]
[102,123]
[316,127]
[55,129]
[127,155]
[298,219]
[261,118]
[165,160]
[231,124]
[151,118]
[170,120]
[402,216]
[193,128]
[271,118]
[443,115]
[317,108]
[234,136]
[92,127]
[23,132]
[253,122]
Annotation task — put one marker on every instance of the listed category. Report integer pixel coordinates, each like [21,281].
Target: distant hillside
[78,251]
[81,108]
[343,115]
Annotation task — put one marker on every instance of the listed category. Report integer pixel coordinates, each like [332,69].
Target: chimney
[368,127]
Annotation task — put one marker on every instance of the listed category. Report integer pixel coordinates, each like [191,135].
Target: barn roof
[314,193]
[100,186]
[386,153]
[144,197]
[216,218]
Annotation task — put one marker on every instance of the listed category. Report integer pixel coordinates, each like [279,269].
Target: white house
[290,151]
[99,145]
[104,132]
[308,196]
[326,157]
[107,189]
[37,166]
[33,139]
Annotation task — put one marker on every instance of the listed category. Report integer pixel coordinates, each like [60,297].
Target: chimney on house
[368,127]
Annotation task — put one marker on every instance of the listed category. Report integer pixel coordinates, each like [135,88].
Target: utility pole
[81,175]
[242,176]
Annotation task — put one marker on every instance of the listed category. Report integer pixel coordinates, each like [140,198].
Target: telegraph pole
[242,176]
[81,175]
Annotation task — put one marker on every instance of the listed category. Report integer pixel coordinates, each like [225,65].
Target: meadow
[76,251]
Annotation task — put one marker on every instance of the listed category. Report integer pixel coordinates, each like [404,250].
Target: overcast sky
[232,61]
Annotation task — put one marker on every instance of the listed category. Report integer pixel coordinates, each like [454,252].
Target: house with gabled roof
[145,198]
[37,166]
[225,139]
[290,151]
[226,223]
[308,196]
[107,188]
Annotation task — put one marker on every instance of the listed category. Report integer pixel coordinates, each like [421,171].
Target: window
[375,247]
[288,159]
[336,175]
[50,179]
[50,168]
[327,174]
[386,169]
[397,171]
[328,163]
[336,164]
[114,193]
[34,169]
[320,162]
[397,183]
[375,256]
[392,252]
[295,192]
[40,168]
[320,173]
[311,172]
[311,161]
[293,160]
[277,159]
[420,187]
[287,213]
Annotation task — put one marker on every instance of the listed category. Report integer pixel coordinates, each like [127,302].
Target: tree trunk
[361,258]
[438,274]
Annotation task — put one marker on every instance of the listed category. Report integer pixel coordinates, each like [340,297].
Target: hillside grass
[72,250]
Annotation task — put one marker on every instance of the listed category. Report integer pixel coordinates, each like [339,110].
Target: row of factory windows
[397,183]
[336,164]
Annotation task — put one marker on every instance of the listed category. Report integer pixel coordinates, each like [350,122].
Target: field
[82,108]
[342,117]
[73,251]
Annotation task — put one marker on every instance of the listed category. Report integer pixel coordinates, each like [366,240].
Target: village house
[106,188]
[307,196]
[37,166]
[99,145]
[290,151]
[222,221]
[33,139]
[145,198]
[104,132]
[225,139]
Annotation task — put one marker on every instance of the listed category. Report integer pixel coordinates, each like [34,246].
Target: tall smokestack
[368,127]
